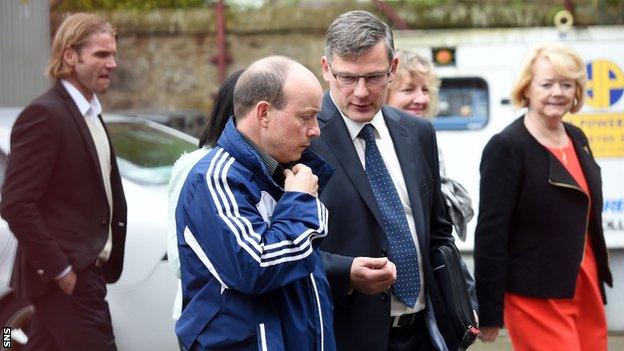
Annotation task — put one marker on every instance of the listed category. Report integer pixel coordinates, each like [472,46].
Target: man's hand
[301,179]
[371,275]
[67,282]
[489,334]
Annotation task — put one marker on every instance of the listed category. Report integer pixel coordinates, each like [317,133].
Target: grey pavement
[616,343]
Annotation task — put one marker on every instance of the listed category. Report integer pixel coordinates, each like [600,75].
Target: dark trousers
[414,337]
[78,322]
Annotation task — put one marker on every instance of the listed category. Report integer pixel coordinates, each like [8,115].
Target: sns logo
[605,83]
[6,338]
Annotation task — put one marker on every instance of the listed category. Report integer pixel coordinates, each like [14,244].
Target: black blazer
[53,197]
[362,322]
[533,217]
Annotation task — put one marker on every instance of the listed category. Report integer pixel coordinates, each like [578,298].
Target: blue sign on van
[613,205]
[605,83]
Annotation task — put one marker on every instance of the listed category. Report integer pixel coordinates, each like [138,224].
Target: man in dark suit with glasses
[386,211]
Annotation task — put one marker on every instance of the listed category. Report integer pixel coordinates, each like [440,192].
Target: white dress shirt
[386,149]
[91,110]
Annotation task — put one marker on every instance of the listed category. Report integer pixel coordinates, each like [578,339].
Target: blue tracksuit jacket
[252,275]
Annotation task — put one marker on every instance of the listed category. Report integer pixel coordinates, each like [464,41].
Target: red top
[567,157]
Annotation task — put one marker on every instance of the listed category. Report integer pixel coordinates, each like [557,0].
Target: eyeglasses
[373,79]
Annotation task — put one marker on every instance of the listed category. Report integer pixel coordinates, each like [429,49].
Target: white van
[478,67]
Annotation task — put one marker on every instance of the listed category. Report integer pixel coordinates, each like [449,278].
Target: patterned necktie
[401,244]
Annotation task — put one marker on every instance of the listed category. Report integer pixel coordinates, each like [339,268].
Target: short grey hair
[353,33]
[262,81]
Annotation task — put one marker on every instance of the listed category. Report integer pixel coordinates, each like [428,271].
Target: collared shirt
[274,169]
[270,163]
[388,154]
[91,110]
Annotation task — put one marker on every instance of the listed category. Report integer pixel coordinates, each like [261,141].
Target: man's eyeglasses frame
[352,79]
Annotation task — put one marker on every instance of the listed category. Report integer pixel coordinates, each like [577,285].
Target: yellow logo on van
[605,83]
[605,131]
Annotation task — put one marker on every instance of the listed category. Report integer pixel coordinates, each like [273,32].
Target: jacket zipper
[320,312]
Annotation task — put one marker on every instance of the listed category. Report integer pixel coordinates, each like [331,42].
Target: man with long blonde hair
[63,197]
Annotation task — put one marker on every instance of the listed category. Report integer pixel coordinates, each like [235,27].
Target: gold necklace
[564,156]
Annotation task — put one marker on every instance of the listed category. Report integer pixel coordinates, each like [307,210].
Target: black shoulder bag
[448,272]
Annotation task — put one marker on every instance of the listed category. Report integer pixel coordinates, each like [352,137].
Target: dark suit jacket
[533,218]
[53,197]
[362,322]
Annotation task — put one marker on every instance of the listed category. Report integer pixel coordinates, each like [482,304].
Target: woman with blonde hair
[415,91]
[415,86]
[540,255]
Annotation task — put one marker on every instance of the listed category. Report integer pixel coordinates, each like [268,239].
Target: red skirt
[577,324]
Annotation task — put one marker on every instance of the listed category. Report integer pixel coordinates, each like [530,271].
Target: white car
[141,301]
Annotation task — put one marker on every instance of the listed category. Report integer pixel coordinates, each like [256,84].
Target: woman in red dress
[540,256]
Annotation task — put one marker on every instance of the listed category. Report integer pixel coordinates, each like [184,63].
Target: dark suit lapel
[406,152]
[558,175]
[591,171]
[335,134]
[82,127]
[590,168]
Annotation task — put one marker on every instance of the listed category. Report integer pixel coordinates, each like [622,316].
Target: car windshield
[146,154]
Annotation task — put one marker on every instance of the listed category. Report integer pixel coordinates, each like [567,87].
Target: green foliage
[418,2]
[90,5]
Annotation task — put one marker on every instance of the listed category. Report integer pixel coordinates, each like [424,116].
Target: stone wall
[168,72]
[165,56]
